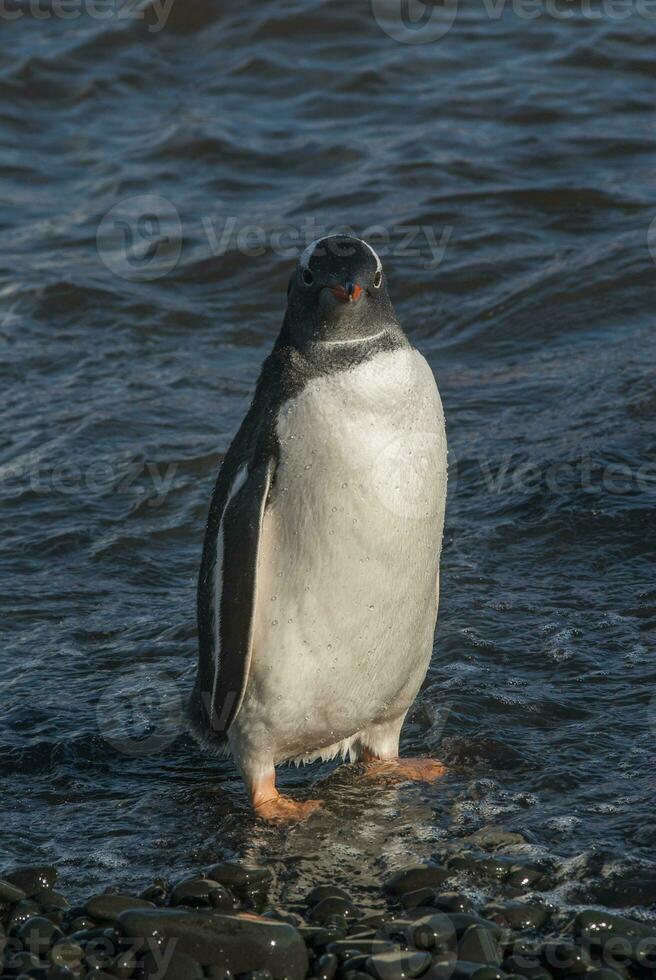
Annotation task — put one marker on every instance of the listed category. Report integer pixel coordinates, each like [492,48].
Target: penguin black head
[338,294]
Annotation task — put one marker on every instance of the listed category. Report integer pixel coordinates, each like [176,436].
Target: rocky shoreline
[221,924]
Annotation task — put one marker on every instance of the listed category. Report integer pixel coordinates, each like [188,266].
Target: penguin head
[338,294]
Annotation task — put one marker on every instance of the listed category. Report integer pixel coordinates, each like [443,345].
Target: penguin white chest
[347,573]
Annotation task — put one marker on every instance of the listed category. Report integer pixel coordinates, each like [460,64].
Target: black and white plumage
[318,589]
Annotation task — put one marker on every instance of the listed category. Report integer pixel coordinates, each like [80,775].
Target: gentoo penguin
[318,588]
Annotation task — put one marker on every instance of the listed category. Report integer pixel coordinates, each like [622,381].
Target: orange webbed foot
[283,810]
[402,770]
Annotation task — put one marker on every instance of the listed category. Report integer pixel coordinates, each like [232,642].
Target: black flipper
[230,550]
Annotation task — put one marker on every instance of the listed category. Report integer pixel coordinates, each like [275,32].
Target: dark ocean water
[505,171]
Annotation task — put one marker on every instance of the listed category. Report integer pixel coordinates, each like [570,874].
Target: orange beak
[349,293]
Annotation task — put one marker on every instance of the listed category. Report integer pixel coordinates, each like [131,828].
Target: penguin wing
[227,585]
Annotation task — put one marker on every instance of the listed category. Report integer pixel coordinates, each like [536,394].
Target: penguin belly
[347,577]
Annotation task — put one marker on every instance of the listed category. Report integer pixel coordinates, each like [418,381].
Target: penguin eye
[378,278]
[308,278]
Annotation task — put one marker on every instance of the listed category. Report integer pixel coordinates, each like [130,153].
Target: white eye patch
[308,252]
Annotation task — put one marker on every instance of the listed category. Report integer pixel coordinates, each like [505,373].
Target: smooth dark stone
[432,931]
[525,965]
[355,964]
[86,935]
[32,879]
[628,890]
[178,966]
[374,920]
[38,934]
[478,945]
[422,896]
[47,899]
[357,975]
[493,837]
[479,866]
[66,953]
[22,911]
[280,915]
[415,877]
[20,962]
[488,973]
[442,928]
[244,881]
[564,958]
[202,893]
[326,967]
[332,908]
[398,964]
[447,968]
[256,975]
[343,948]
[10,894]
[219,972]
[81,924]
[326,891]
[603,974]
[516,915]
[593,922]
[124,965]
[319,937]
[241,943]
[523,876]
[108,907]
[154,893]
[450,902]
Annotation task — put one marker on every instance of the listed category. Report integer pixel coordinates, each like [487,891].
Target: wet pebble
[108,907]
[32,879]
[478,945]
[564,959]
[343,948]
[202,893]
[416,877]
[239,943]
[325,967]
[186,933]
[333,908]
[38,934]
[516,915]
[9,893]
[325,891]
[169,965]
[493,837]
[66,953]
[249,883]
[22,911]
[398,964]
